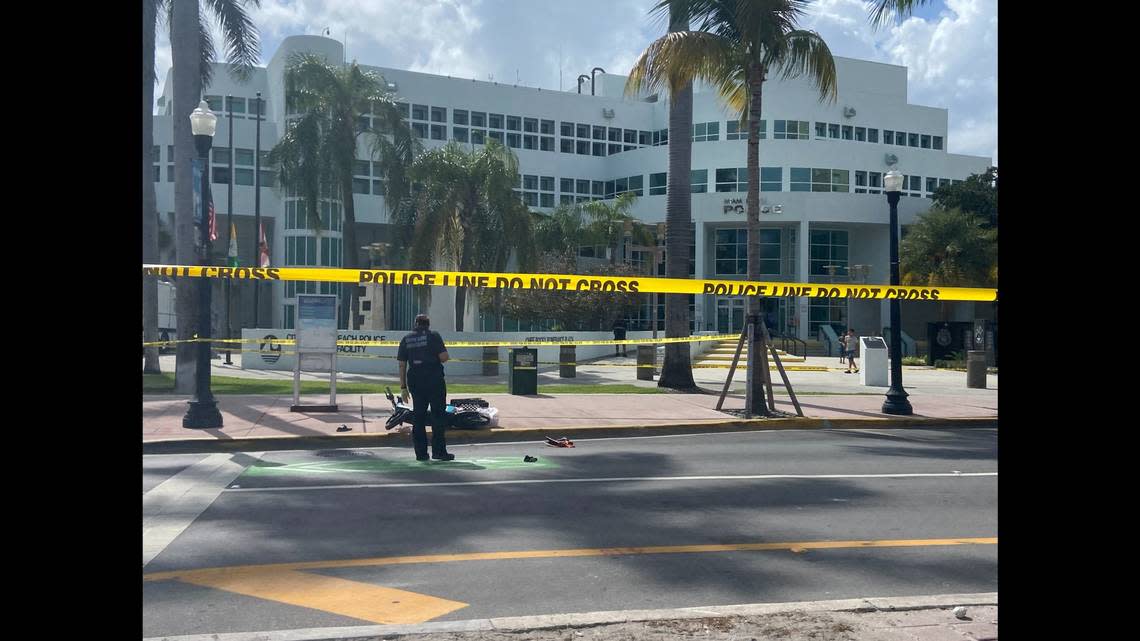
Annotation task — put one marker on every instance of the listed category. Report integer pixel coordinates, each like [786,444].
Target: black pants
[428,391]
[619,350]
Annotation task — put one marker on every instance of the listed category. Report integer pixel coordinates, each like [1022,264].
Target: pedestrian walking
[619,335]
[421,356]
[851,344]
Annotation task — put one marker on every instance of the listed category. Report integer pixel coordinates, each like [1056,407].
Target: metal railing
[785,340]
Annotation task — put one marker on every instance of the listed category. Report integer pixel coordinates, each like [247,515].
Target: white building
[821,176]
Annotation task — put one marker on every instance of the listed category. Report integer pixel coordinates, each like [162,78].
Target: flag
[263,249]
[233,253]
[213,222]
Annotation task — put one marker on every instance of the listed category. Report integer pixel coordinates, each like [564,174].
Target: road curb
[590,619]
[349,440]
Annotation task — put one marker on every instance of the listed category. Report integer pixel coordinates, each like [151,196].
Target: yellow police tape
[577,282]
[458,344]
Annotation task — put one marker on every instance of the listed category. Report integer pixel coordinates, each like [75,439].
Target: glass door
[730,315]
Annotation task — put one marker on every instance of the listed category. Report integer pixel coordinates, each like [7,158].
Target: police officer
[421,356]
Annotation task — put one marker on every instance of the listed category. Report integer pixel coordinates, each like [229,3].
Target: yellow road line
[188,575]
[365,601]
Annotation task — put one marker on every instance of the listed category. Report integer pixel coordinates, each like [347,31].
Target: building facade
[824,216]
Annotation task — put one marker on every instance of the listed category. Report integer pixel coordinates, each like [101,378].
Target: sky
[948,46]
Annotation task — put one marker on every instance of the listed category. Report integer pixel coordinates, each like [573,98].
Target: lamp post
[203,411]
[896,402]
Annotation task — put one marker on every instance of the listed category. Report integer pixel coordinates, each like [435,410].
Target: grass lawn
[164,384]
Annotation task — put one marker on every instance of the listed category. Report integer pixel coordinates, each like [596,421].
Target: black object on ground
[344,428]
[530,459]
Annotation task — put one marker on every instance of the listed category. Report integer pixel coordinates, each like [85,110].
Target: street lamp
[896,402]
[203,411]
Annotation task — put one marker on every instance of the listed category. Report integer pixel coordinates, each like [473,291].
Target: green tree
[883,10]
[677,370]
[948,248]
[608,221]
[317,155]
[738,43]
[192,57]
[465,213]
[977,195]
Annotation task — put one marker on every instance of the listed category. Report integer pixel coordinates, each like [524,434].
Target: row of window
[296,215]
[837,131]
[218,156]
[302,250]
[236,104]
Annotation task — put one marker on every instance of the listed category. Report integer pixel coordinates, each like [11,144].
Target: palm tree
[192,55]
[608,221]
[738,44]
[316,155]
[949,248]
[149,207]
[466,213]
[677,370]
[883,10]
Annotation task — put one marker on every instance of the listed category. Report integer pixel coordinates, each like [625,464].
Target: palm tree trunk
[349,254]
[149,213]
[756,358]
[186,58]
[677,370]
[464,266]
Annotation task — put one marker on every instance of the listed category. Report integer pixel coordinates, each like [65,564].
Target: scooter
[461,413]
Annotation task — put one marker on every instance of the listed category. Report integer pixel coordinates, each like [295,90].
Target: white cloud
[951,53]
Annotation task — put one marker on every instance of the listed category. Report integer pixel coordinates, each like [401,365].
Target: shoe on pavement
[443,457]
[422,457]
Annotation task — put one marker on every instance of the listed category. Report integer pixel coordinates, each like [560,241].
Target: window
[459,116]
[529,141]
[872,135]
[599,133]
[900,138]
[726,179]
[861,134]
[530,182]
[459,133]
[402,107]
[419,112]
[360,168]
[514,140]
[530,125]
[771,178]
[237,105]
[925,144]
[938,142]
[565,199]
[731,251]
[614,149]
[931,184]
[942,182]
[848,132]
[699,180]
[530,198]
[268,178]
[420,129]
[888,137]
[629,136]
[495,135]
[609,189]
[243,156]
[360,185]
[583,186]
[615,134]
[566,185]
[912,140]
[821,130]
[377,187]
[546,127]
[706,131]
[915,183]
[645,138]
[832,131]
[514,123]
[566,145]
[828,247]
[769,251]
[567,128]
[657,184]
[220,175]
[583,131]
[800,179]
[243,177]
[157,173]
[546,183]
[495,121]
[860,182]
[221,155]
[599,149]
[439,114]
[637,185]
[478,136]
[478,119]
[876,180]
[546,200]
[215,103]
[660,137]
[546,143]
[583,147]
[597,187]
[790,129]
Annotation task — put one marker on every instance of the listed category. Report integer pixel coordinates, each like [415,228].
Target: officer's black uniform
[619,335]
[421,350]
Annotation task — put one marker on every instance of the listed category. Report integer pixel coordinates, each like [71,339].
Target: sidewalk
[828,399]
[921,618]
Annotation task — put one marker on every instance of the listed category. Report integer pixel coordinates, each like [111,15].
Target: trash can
[567,361]
[976,369]
[522,378]
[646,362]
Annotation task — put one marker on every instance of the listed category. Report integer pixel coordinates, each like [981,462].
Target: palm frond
[677,59]
[241,36]
[884,10]
[205,50]
[807,54]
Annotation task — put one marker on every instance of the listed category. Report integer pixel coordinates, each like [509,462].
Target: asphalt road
[782,516]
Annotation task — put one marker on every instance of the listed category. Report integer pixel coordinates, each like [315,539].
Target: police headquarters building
[823,216]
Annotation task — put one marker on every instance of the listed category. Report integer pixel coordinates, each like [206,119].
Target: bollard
[646,355]
[976,369]
[567,354]
[490,354]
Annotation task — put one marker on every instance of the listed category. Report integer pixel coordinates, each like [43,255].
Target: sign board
[316,323]
[873,342]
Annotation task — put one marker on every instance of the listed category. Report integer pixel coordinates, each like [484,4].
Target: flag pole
[257,208]
[230,242]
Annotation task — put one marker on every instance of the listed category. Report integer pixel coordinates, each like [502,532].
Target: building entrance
[731,314]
